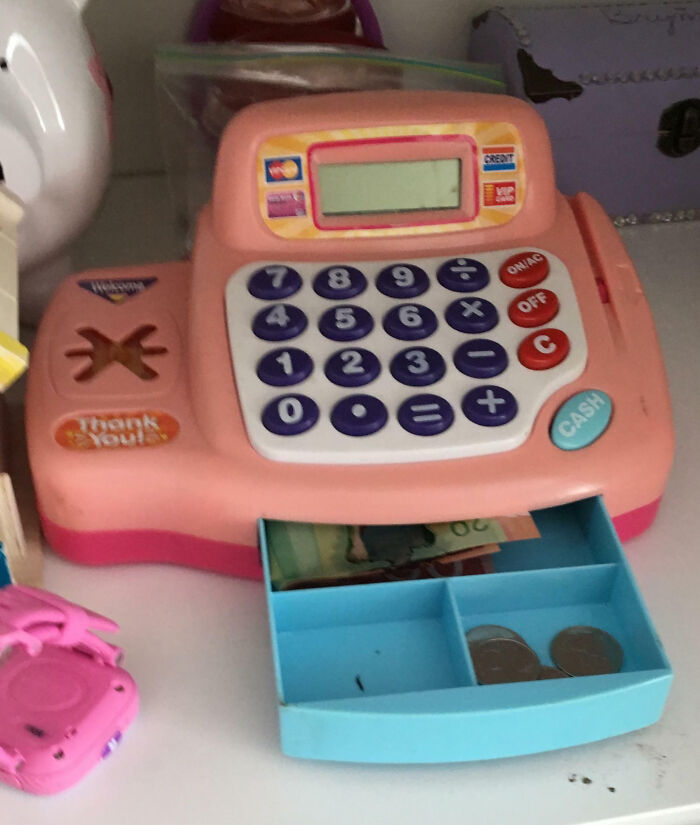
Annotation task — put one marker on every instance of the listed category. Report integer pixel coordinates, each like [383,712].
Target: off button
[533,308]
[524,269]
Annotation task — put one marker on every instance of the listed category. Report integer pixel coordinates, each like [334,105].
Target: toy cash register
[391,316]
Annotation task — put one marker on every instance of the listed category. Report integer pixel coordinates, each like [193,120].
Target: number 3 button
[352,367]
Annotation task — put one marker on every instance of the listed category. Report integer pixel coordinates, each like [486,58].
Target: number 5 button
[544,349]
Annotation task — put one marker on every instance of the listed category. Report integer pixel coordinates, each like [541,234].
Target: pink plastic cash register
[391,315]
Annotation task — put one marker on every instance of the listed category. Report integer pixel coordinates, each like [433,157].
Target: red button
[534,307]
[544,349]
[524,269]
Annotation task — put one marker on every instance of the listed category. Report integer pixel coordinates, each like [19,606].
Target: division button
[290,414]
[352,367]
[544,349]
[279,322]
[410,322]
[339,282]
[481,358]
[359,415]
[425,415]
[581,420]
[463,275]
[284,367]
[417,366]
[489,405]
[274,282]
[346,323]
[533,308]
[402,281]
[473,315]
[524,269]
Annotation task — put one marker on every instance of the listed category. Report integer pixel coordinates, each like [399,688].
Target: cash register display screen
[397,186]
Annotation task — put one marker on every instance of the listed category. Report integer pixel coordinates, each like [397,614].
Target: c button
[544,349]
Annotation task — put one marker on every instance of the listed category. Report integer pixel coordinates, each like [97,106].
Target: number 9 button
[402,281]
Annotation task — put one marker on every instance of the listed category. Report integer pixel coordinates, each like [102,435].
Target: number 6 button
[409,322]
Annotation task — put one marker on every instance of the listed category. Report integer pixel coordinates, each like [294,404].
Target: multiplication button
[463,275]
[274,282]
[480,358]
[472,315]
[346,323]
[284,367]
[352,367]
[410,322]
[359,415]
[489,405]
[402,281]
[417,366]
[425,415]
[290,414]
[279,322]
[339,282]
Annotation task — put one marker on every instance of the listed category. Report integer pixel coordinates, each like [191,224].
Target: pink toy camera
[64,702]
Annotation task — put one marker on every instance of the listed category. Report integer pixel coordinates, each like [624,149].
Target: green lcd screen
[397,186]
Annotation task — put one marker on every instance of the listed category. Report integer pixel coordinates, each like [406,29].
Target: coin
[586,651]
[503,660]
[547,672]
[492,631]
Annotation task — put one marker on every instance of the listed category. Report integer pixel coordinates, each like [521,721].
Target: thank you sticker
[117,431]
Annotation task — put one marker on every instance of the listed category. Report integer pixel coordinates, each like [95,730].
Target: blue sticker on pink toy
[117,290]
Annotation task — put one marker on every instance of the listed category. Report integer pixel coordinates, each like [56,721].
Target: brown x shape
[129,352]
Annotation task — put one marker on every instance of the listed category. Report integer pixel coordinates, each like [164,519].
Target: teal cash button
[581,420]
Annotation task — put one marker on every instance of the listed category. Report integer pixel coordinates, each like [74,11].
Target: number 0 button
[290,415]
[279,322]
[410,322]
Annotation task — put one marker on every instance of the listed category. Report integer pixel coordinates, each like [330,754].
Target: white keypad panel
[376,362]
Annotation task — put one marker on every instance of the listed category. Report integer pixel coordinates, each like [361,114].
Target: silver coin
[547,672]
[503,660]
[492,631]
[586,651]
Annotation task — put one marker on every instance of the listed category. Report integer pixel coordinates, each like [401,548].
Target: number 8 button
[339,282]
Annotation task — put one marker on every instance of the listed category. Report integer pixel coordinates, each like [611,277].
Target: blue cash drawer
[382,672]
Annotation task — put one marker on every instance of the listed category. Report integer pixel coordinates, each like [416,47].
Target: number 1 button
[284,367]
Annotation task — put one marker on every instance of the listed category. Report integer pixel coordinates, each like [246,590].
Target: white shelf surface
[205,747]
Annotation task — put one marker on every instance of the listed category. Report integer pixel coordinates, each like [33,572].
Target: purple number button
[345,323]
[425,415]
[339,282]
[279,322]
[290,414]
[463,275]
[352,367]
[284,367]
[417,366]
[273,282]
[489,405]
[402,281]
[410,322]
[359,415]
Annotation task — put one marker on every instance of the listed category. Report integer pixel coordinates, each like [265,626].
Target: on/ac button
[524,269]
[544,349]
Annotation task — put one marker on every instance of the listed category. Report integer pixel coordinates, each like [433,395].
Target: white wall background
[127,31]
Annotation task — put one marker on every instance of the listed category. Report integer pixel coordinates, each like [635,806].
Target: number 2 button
[345,323]
[352,367]
[279,322]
